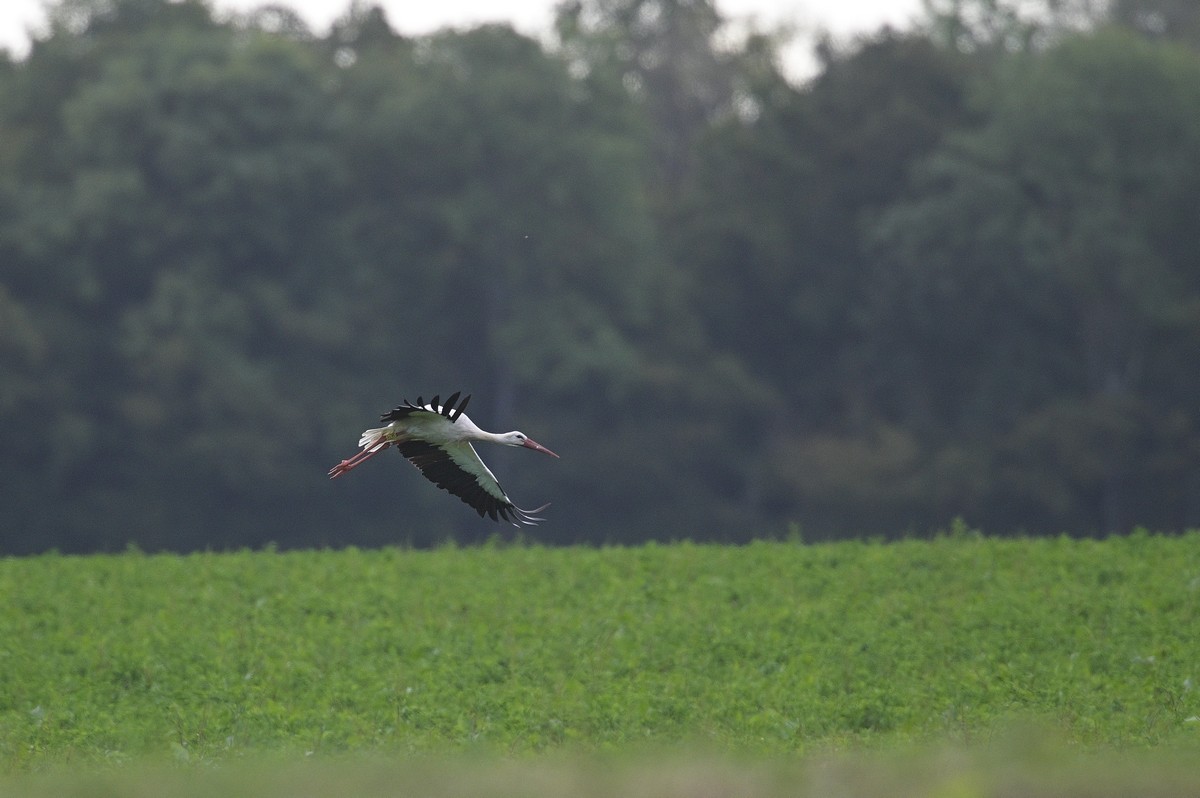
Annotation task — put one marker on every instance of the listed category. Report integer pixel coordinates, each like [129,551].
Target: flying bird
[436,438]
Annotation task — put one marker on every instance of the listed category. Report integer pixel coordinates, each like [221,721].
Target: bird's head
[521,439]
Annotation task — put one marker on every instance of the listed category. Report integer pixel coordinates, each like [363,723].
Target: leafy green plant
[766,648]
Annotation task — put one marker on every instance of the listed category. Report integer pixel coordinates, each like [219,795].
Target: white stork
[436,438]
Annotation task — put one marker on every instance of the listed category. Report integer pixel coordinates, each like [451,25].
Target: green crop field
[556,659]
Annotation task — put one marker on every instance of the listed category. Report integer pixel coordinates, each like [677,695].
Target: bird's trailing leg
[358,459]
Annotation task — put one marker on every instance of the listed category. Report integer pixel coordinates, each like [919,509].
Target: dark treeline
[954,274]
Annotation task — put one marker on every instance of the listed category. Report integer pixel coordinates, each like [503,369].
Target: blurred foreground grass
[1020,766]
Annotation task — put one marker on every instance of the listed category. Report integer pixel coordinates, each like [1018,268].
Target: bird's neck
[492,437]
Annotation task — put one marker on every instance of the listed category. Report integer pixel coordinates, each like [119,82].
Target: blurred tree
[1044,271]
[258,232]
[173,171]
[1175,20]
[667,55]
[991,28]
[770,233]
[866,304]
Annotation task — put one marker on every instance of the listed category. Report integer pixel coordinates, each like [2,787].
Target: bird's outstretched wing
[456,468]
[448,409]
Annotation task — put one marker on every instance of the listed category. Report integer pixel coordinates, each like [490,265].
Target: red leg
[357,460]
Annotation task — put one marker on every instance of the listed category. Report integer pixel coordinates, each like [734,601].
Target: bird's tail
[372,438]
[373,441]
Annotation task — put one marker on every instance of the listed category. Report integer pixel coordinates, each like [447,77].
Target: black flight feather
[407,408]
[440,469]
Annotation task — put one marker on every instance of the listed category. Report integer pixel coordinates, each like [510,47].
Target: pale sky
[533,17]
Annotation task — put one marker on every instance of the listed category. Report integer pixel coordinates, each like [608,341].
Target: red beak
[530,443]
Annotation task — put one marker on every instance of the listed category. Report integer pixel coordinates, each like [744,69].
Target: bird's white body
[437,439]
[435,428]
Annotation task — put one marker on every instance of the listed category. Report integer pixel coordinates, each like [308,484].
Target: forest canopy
[952,274]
